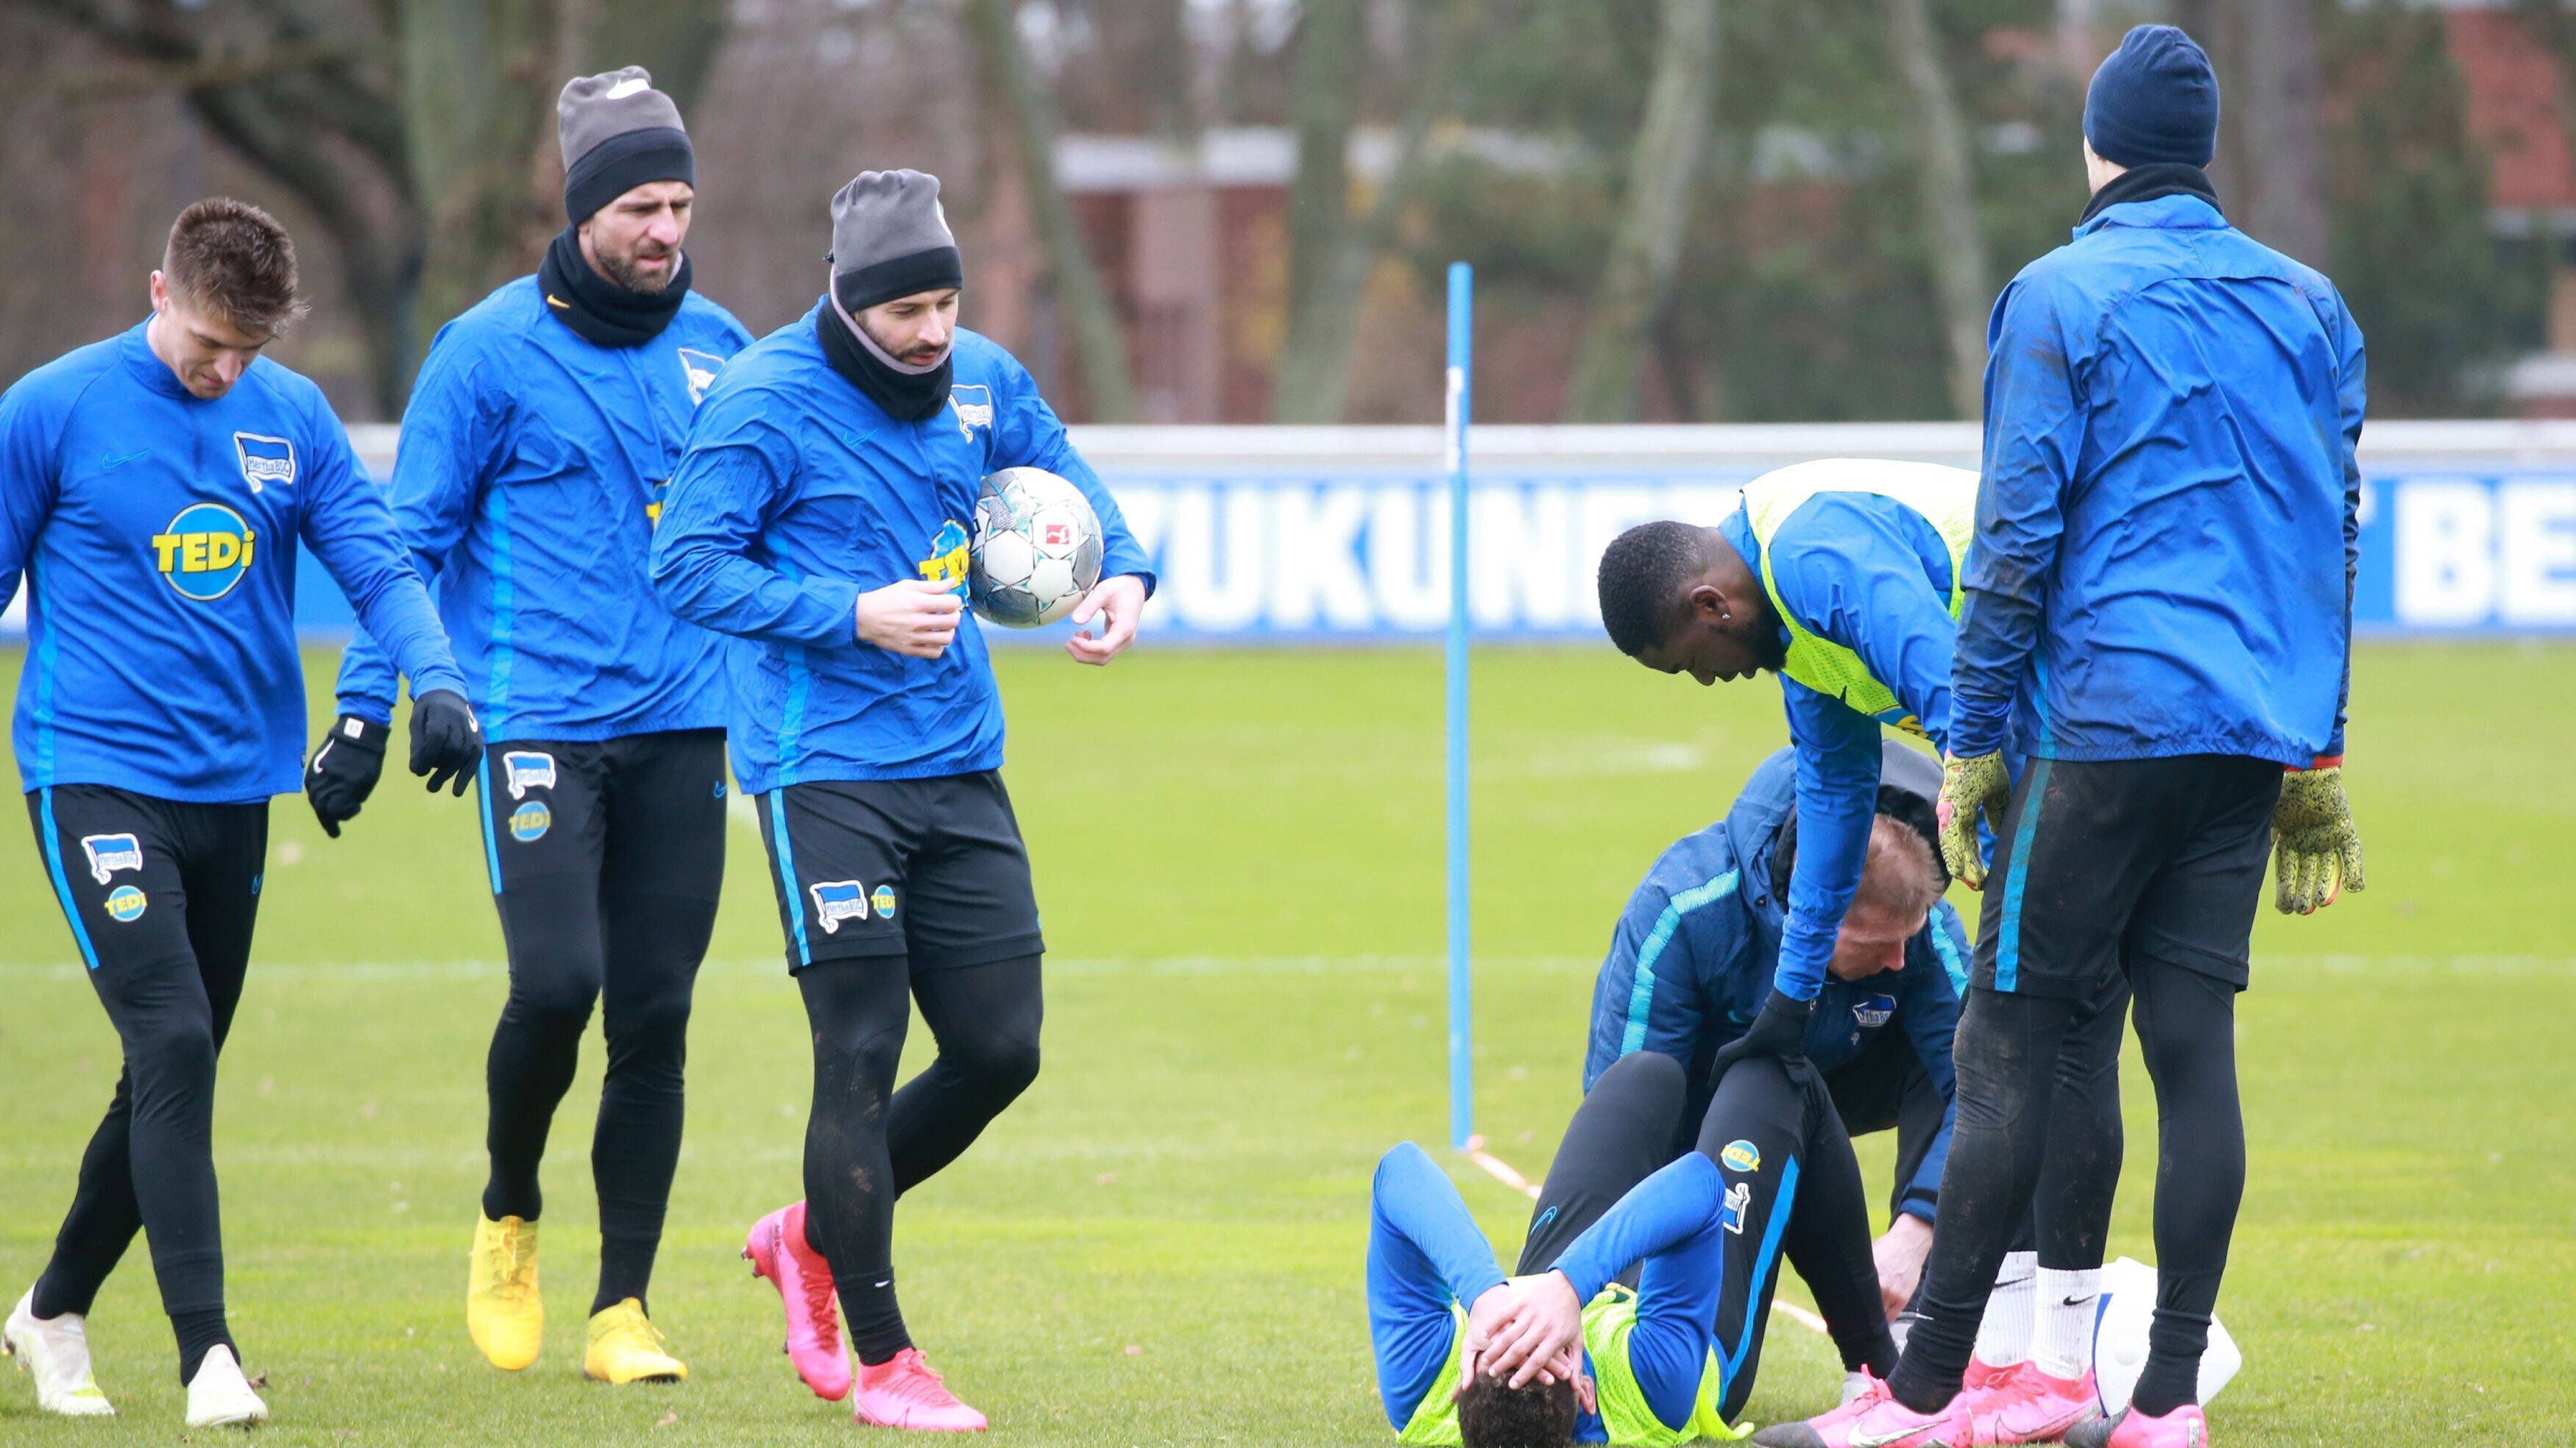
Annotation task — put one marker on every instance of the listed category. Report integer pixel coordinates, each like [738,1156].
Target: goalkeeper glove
[446,743]
[342,772]
[1779,1030]
[1968,786]
[2316,852]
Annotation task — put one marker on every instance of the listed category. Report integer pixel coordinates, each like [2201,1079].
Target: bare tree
[2279,146]
[1013,91]
[1331,251]
[1948,182]
[416,133]
[1663,177]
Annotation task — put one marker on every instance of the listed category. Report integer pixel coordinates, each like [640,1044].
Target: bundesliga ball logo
[1036,549]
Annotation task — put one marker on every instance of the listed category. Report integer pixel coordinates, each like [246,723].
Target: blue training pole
[1462,1072]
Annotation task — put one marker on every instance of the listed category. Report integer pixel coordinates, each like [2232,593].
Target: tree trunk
[479,84]
[1326,91]
[2280,137]
[1014,92]
[1947,180]
[677,40]
[1663,176]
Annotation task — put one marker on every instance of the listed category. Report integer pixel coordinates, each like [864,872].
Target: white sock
[2003,1334]
[2063,1341]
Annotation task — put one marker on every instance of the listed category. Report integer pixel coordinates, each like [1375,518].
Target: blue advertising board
[1340,535]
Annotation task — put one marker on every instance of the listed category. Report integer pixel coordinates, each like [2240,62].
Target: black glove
[343,769]
[446,742]
[1779,1030]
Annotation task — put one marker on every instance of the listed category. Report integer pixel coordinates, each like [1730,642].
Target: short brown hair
[232,258]
[1900,874]
[1492,1414]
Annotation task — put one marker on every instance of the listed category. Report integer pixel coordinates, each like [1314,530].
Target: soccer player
[1694,951]
[2159,621]
[821,513]
[534,455]
[153,490]
[1844,577]
[1662,1355]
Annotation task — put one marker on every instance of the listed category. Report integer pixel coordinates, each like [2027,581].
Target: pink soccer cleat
[2184,1427]
[778,1251]
[1873,1420]
[1982,1380]
[2032,1407]
[904,1392]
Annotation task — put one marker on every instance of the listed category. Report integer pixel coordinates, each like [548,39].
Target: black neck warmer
[2146,183]
[599,310]
[903,396]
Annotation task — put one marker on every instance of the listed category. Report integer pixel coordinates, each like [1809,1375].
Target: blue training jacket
[157,533]
[2170,510]
[1692,958]
[1869,573]
[531,467]
[796,495]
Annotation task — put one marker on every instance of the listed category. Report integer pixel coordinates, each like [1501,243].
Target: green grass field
[1239,861]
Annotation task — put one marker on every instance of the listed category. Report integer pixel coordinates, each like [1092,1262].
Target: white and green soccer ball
[1036,549]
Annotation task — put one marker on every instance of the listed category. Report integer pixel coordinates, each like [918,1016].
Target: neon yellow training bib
[1607,1322]
[1947,499]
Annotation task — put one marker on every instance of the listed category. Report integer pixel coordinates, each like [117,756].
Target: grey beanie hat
[891,239]
[617,134]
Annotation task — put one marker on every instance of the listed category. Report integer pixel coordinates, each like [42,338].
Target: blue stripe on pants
[2008,934]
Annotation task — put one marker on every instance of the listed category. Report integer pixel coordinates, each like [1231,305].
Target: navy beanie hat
[2155,99]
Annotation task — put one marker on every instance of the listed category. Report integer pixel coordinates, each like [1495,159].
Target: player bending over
[1667,1359]
[820,513]
[1844,578]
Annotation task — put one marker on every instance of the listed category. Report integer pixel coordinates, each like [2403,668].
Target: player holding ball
[822,512]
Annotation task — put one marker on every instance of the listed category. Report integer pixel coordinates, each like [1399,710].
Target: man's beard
[1762,637]
[622,270]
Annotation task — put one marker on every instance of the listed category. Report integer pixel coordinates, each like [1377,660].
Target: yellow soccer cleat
[503,1313]
[625,1347]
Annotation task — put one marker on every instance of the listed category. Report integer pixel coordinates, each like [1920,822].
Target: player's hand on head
[343,770]
[1976,786]
[446,740]
[916,617]
[1116,602]
[1545,1323]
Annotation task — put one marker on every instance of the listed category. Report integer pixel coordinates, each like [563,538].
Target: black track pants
[1776,1137]
[867,1143]
[161,897]
[2143,872]
[606,858]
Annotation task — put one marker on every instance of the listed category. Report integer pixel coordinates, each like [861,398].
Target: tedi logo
[205,551]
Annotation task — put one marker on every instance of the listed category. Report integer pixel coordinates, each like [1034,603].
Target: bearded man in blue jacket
[821,516]
[540,437]
[2159,621]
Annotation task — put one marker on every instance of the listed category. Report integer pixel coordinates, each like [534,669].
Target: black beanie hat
[618,133]
[2155,99]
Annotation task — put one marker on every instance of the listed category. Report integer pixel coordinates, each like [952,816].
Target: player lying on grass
[1660,1355]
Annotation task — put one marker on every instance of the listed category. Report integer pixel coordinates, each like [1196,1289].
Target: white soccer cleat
[56,1350]
[219,1397]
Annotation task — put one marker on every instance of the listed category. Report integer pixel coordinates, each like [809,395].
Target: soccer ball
[1036,550]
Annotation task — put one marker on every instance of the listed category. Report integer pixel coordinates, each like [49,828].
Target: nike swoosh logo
[2076,1301]
[111,464]
[1880,1440]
